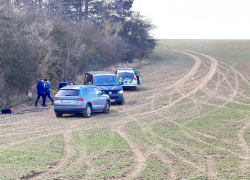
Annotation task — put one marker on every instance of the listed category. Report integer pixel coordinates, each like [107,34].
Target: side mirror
[102,92]
[121,83]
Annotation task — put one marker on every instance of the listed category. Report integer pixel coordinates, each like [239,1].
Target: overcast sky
[197,19]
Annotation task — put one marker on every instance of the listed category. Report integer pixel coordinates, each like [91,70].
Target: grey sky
[197,19]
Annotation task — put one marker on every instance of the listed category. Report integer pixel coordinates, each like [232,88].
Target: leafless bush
[34,45]
[79,79]
[38,34]
[136,63]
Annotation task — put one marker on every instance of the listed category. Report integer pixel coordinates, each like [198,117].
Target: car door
[138,76]
[88,79]
[93,98]
[101,101]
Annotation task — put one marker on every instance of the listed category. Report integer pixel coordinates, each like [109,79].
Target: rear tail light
[79,99]
[55,99]
[134,78]
[79,106]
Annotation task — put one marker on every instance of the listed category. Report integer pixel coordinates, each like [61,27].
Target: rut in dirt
[171,87]
[165,88]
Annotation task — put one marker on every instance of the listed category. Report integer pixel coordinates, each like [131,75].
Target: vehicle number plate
[65,101]
[112,100]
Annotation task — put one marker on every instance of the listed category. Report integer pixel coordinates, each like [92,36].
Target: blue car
[80,99]
[106,82]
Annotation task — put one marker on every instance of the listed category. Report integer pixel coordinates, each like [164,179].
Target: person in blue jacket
[62,84]
[40,92]
[47,90]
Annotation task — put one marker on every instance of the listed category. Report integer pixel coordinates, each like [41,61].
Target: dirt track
[169,93]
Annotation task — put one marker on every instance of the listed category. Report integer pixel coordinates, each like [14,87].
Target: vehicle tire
[58,114]
[107,107]
[87,112]
[121,103]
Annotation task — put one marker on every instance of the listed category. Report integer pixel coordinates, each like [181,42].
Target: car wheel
[121,103]
[58,114]
[107,107]
[87,112]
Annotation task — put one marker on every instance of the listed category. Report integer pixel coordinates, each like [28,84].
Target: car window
[97,91]
[126,75]
[68,92]
[88,78]
[106,80]
[90,91]
[84,92]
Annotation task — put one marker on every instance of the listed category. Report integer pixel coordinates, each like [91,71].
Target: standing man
[47,90]
[40,92]
[62,84]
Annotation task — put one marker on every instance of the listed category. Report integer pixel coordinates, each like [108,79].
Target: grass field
[190,119]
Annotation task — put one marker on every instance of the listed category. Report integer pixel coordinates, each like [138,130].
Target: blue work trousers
[38,97]
[47,93]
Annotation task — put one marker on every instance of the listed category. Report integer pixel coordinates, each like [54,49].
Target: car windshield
[106,80]
[68,92]
[126,75]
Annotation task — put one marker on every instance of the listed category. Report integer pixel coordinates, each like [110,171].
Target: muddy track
[177,84]
[140,157]
[180,85]
[245,148]
[69,150]
[201,85]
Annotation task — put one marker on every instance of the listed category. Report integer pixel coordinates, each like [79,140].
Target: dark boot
[52,103]
[35,105]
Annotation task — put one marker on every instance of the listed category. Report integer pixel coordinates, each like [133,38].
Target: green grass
[21,160]
[100,153]
[218,123]
[155,169]
[178,139]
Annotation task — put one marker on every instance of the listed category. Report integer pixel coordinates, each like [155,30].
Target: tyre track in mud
[141,158]
[235,91]
[69,150]
[179,86]
[138,169]
[179,83]
[211,73]
[245,147]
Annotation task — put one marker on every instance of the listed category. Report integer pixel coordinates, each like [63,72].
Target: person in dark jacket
[62,84]
[72,83]
[47,90]
[40,92]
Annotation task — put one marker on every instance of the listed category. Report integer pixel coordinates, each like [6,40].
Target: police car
[128,78]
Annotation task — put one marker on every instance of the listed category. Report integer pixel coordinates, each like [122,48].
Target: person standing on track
[40,92]
[62,84]
[47,90]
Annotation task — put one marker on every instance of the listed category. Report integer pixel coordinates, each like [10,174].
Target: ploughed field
[189,119]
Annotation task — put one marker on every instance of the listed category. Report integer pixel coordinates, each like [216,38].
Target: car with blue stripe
[127,78]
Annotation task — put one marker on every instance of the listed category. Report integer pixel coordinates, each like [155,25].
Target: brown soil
[182,83]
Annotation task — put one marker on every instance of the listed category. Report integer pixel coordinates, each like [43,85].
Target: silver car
[80,99]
